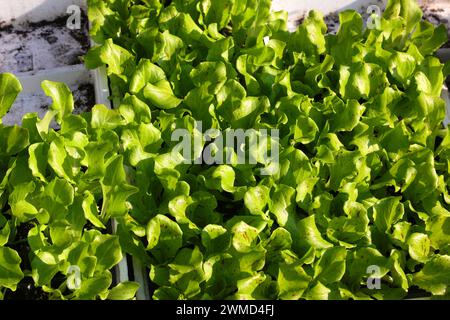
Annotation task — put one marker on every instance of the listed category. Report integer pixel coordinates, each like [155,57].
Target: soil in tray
[43,45]
[25,289]
[83,96]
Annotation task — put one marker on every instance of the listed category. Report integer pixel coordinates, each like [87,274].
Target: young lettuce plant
[51,184]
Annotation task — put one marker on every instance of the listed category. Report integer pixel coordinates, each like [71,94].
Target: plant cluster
[361,190]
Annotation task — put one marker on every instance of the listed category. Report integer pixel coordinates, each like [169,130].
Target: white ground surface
[43,48]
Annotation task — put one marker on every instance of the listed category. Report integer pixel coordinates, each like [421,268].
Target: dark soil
[332,21]
[26,291]
[20,244]
[84,98]
[24,60]
[417,293]
[58,280]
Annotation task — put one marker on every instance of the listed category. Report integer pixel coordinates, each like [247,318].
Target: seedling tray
[28,62]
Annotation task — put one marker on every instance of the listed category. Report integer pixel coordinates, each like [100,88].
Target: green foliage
[362,180]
